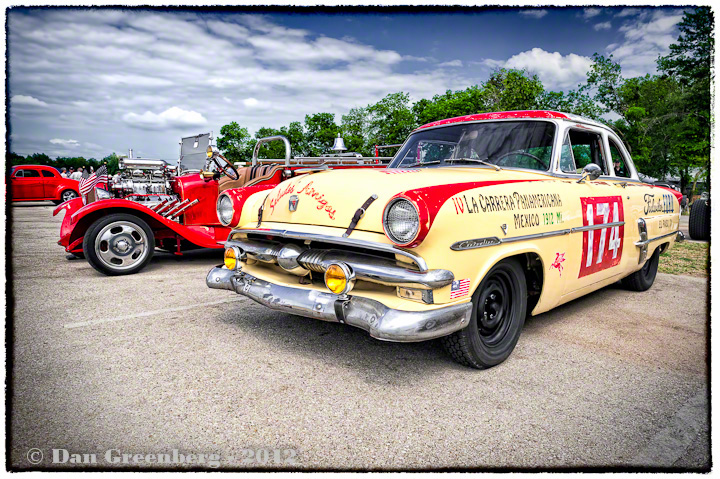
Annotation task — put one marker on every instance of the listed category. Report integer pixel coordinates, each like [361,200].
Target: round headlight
[225,209]
[102,194]
[401,221]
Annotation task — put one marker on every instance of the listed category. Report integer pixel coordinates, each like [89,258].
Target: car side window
[25,173]
[47,174]
[619,164]
[19,174]
[587,148]
[567,162]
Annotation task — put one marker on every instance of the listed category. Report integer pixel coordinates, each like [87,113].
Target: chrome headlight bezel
[388,225]
[224,214]
[102,194]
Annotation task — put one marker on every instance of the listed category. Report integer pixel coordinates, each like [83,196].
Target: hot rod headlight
[102,194]
[401,221]
[225,209]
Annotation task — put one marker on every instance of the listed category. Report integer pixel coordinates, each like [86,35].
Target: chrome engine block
[143,177]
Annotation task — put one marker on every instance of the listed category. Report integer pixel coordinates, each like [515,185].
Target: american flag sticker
[460,288]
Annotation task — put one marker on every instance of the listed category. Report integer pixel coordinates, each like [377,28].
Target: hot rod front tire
[699,221]
[119,244]
[499,307]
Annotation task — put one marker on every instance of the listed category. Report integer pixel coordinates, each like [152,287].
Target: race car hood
[331,198]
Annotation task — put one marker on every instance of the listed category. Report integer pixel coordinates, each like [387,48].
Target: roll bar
[268,140]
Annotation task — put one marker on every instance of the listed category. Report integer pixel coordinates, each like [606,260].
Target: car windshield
[514,144]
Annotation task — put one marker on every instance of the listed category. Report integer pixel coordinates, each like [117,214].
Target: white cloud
[67,143]
[602,26]
[555,70]
[589,13]
[645,38]
[113,74]
[26,100]
[452,63]
[534,13]
[174,117]
[627,12]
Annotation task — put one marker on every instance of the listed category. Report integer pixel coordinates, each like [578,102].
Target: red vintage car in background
[151,204]
[41,183]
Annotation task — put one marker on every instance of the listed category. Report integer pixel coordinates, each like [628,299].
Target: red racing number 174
[602,248]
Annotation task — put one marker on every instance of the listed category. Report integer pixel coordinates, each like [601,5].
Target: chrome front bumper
[372,316]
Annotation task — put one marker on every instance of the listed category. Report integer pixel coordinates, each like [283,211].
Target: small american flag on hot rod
[459,287]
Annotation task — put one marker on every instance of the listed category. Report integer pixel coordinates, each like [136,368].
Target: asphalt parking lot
[156,361]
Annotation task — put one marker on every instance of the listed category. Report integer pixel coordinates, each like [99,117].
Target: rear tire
[699,221]
[499,307]
[66,195]
[119,244]
[643,279]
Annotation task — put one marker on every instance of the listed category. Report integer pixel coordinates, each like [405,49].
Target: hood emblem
[294,200]
[503,227]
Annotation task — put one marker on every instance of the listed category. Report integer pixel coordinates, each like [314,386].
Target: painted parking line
[146,314]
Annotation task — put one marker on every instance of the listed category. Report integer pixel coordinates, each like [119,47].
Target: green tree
[320,133]
[235,142]
[355,127]
[390,120]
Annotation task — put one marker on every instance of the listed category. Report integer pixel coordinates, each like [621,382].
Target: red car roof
[499,115]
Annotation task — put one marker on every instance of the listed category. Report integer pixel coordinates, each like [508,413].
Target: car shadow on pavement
[340,345]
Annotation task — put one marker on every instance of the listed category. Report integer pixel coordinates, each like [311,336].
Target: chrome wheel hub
[121,245]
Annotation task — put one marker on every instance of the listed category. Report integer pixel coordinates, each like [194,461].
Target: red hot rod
[151,204]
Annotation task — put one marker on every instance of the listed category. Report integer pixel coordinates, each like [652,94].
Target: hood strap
[358,215]
[260,211]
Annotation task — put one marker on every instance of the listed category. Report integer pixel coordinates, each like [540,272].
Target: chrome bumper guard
[372,316]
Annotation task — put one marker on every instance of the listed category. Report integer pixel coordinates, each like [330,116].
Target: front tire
[499,308]
[643,279]
[119,244]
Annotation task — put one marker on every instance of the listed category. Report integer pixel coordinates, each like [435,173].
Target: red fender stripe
[429,199]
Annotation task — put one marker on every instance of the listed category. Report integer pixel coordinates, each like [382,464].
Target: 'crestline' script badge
[475,243]
[294,200]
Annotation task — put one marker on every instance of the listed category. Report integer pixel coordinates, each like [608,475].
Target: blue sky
[92,81]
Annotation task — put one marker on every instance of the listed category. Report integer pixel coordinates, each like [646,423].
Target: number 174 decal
[602,248]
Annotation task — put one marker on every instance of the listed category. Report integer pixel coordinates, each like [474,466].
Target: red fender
[66,184]
[203,236]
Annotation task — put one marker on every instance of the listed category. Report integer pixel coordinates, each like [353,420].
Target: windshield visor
[507,144]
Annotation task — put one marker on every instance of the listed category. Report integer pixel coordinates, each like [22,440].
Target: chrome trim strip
[495,241]
[597,227]
[372,316]
[418,260]
[650,240]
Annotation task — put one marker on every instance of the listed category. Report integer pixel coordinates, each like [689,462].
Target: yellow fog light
[339,278]
[231,258]
[209,151]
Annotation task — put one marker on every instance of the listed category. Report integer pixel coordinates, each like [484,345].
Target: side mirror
[591,172]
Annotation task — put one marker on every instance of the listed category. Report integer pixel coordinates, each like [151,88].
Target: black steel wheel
[499,308]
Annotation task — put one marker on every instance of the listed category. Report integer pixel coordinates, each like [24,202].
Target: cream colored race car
[477,222]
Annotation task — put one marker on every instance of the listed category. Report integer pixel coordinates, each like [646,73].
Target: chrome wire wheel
[121,245]
[68,195]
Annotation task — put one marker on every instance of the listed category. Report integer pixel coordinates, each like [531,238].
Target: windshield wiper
[474,160]
[423,163]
